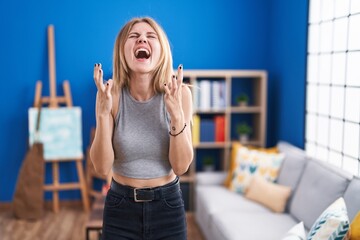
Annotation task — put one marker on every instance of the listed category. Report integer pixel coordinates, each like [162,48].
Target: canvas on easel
[60,131]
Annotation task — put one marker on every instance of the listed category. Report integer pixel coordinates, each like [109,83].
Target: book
[219,128]
[205,95]
[196,95]
[215,96]
[218,95]
[196,129]
[207,130]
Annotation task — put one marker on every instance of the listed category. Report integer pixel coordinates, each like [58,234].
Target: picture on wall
[60,132]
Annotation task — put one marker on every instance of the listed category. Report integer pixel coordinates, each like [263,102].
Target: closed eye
[152,35]
[133,35]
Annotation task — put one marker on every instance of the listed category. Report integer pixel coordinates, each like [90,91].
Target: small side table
[95,220]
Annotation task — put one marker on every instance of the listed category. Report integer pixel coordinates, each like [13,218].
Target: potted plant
[242,99]
[243,130]
[208,163]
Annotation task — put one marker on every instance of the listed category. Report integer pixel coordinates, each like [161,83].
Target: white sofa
[222,214]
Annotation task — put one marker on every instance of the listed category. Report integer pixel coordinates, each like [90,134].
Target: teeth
[142,49]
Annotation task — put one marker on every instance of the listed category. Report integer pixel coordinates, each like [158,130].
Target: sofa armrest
[210,178]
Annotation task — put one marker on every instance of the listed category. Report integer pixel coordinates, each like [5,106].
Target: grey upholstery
[292,167]
[352,198]
[251,226]
[222,214]
[319,186]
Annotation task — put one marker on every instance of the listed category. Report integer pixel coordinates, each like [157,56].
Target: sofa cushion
[292,167]
[251,162]
[333,223]
[210,178]
[297,232]
[234,225]
[211,200]
[320,185]
[233,160]
[269,194]
[352,197]
[355,227]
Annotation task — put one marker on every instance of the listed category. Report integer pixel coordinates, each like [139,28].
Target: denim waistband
[145,194]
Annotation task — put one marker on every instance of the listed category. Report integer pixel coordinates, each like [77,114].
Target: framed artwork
[60,132]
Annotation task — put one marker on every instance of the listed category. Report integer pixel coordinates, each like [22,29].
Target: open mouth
[142,53]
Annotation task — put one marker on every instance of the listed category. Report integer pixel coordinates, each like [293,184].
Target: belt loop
[160,193]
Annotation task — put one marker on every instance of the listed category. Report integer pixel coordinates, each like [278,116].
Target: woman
[143,134]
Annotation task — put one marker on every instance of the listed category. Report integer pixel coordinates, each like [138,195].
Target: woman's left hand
[173,95]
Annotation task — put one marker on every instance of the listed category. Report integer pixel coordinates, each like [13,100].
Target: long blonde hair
[163,70]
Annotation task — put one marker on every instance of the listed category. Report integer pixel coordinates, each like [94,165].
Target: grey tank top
[141,139]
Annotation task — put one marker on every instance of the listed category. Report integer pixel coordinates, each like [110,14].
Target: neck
[141,88]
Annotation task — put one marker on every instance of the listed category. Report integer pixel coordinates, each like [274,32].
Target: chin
[143,70]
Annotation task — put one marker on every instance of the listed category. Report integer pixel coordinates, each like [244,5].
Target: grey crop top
[141,138]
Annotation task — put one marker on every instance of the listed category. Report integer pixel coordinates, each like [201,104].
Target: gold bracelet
[174,135]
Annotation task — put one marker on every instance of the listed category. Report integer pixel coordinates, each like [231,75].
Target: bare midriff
[143,183]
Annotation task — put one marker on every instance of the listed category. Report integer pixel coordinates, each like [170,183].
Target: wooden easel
[53,101]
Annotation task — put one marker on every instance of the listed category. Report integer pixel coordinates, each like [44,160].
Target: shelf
[225,73]
[236,109]
[247,109]
[251,143]
[187,178]
[211,111]
[212,145]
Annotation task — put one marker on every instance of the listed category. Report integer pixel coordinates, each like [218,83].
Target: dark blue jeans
[161,216]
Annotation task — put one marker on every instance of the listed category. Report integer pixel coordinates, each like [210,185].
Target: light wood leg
[52,71]
[67,93]
[38,94]
[55,168]
[83,186]
[89,179]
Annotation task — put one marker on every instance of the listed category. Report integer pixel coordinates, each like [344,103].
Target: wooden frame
[53,100]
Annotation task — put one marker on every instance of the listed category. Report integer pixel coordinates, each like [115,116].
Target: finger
[96,68]
[180,76]
[98,76]
[167,88]
[96,72]
[173,85]
[101,73]
[108,87]
[100,80]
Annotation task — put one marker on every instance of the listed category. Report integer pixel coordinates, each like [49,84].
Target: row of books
[208,129]
[209,95]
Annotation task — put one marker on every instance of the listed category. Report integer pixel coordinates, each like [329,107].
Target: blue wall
[246,34]
[287,72]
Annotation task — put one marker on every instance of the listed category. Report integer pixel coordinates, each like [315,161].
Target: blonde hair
[163,70]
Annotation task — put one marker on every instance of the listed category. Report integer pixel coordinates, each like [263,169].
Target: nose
[141,40]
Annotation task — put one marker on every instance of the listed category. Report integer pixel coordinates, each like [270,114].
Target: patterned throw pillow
[249,162]
[332,224]
[355,227]
[297,232]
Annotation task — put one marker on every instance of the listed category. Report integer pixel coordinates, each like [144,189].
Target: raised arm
[178,101]
[101,151]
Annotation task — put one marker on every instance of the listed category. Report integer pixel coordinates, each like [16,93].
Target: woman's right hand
[104,97]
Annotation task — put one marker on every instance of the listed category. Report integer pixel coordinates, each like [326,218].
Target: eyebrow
[151,33]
